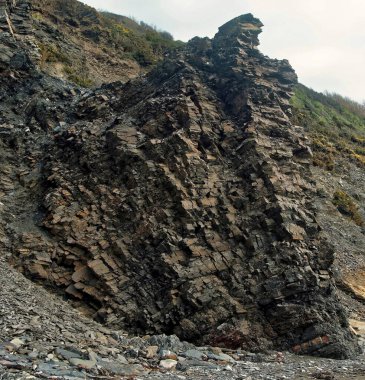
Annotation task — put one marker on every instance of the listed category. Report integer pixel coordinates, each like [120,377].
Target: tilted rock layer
[181,203]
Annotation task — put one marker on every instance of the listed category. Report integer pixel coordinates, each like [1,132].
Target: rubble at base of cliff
[43,337]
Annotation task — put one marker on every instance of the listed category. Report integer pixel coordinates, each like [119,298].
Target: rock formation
[179,202]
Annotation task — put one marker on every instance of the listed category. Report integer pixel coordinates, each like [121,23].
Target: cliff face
[180,202]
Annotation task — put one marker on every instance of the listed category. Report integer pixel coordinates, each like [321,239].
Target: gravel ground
[43,323]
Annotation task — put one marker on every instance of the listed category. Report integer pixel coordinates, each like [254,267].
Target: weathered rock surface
[177,203]
[75,42]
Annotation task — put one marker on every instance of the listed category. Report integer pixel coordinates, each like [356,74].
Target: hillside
[87,47]
[336,127]
[335,124]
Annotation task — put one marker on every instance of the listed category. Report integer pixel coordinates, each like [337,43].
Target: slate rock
[68,354]
[82,363]
[195,354]
[121,369]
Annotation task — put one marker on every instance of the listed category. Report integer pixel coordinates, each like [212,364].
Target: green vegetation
[131,39]
[77,76]
[141,41]
[346,205]
[335,124]
[37,16]
[50,54]
[80,32]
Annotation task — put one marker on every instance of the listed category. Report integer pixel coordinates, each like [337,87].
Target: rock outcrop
[180,202]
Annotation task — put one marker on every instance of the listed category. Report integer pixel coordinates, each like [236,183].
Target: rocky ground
[43,336]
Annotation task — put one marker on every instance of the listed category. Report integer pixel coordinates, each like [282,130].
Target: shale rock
[178,203]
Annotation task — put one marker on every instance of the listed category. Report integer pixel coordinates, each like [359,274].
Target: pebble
[168,364]
[151,352]
[67,354]
[17,343]
[85,364]
[221,357]
[195,354]
[167,354]
[120,369]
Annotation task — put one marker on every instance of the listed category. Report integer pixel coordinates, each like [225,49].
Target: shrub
[81,79]
[346,205]
[51,54]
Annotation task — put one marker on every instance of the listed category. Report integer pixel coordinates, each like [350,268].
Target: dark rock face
[181,203]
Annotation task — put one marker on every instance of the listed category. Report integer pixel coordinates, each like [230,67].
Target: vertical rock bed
[177,203]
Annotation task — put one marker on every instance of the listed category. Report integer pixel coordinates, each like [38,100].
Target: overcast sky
[324,40]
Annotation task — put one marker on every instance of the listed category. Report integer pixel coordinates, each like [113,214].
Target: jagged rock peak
[246,28]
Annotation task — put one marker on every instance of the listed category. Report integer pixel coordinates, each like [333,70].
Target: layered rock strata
[181,203]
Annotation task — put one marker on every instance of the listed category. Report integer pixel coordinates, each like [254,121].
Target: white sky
[324,40]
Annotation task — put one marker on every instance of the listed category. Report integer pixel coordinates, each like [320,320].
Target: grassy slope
[335,124]
[95,47]
[147,44]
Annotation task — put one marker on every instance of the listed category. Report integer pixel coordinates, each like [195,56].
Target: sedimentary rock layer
[180,203]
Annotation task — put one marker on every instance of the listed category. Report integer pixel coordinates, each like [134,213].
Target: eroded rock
[180,202]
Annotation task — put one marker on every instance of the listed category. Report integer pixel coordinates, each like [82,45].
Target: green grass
[129,38]
[335,124]
[144,43]
[117,36]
